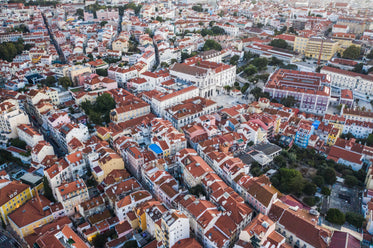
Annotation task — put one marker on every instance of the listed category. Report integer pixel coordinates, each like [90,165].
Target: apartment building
[303,134]
[10,117]
[34,213]
[310,90]
[189,110]
[361,85]
[175,227]
[161,101]
[29,134]
[13,195]
[73,72]
[130,108]
[326,47]
[70,195]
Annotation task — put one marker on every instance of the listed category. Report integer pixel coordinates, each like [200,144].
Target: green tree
[80,14]
[289,181]
[280,43]
[130,244]
[104,103]
[50,81]
[318,180]
[289,101]
[102,72]
[8,50]
[159,18]
[257,93]
[369,140]
[164,65]
[234,60]
[260,63]
[352,52]
[309,200]
[227,88]
[65,82]
[351,181]
[247,55]
[335,216]
[211,45]
[325,190]
[197,8]
[250,70]
[217,30]
[197,190]
[292,30]
[358,68]
[310,189]
[18,143]
[355,219]
[103,23]
[329,176]
[244,88]
[47,190]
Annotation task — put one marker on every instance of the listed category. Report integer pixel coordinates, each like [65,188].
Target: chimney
[39,205]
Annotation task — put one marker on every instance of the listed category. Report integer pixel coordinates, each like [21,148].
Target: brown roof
[30,212]
[11,190]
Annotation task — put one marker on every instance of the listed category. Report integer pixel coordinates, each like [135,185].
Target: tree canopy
[355,219]
[260,63]
[99,111]
[197,8]
[215,30]
[352,52]
[8,50]
[289,101]
[212,44]
[288,181]
[279,43]
[65,82]
[335,216]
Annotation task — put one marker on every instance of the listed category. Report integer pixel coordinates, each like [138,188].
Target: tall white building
[161,101]
[29,134]
[10,117]
[360,84]
[209,77]
[175,227]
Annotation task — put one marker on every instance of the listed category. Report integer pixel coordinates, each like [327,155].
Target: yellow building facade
[316,45]
[14,195]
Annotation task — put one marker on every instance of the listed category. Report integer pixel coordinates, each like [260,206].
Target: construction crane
[321,47]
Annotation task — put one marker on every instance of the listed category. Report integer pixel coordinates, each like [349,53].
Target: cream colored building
[10,117]
[108,161]
[300,44]
[327,48]
[73,72]
[120,45]
[128,112]
[72,194]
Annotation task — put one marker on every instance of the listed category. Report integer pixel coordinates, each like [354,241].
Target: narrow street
[156,56]
[54,42]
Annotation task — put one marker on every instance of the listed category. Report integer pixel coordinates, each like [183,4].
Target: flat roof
[31,178]
[267,148]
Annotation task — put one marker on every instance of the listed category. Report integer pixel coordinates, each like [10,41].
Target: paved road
[157,62]
[54,42]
